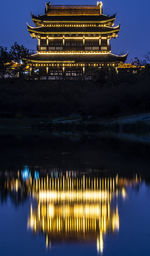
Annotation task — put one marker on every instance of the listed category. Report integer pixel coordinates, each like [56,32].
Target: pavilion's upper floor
[75,15]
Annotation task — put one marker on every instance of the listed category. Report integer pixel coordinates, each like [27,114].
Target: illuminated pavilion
[73,41]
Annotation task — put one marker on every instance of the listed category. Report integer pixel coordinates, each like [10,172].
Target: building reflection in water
[73,207]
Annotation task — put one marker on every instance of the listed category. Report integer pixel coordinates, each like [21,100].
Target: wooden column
[83,70]
[47,42]
[100,41]
[63,41]
[63,69]
[30,71]
[83,41]
[47,69]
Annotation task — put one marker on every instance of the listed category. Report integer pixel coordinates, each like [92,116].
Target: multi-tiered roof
[75,34]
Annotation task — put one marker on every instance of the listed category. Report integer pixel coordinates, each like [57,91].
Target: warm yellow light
[110,19]
[74,207]
[124,193]
[17,185]
[73,52]
[51,210]
[73,195]
[115,221]
[100,243]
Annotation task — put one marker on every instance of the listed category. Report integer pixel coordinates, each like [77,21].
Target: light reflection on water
[70,206]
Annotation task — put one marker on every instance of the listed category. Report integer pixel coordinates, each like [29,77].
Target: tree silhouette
[4,58]
[18,52]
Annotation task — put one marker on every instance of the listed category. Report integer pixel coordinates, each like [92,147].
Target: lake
[74,198]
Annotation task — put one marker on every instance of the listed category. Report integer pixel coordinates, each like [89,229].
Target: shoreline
[134,128]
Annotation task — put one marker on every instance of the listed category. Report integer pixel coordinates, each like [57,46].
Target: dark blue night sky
[133,15]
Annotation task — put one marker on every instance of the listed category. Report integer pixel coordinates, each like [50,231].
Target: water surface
[54,211]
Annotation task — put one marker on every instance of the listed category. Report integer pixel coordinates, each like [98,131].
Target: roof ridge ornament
[46,6]
[100,4]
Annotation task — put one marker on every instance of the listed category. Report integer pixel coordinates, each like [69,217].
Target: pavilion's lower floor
[64,73]
[70,66]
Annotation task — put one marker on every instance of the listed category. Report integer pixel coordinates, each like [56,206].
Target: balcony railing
[73,48]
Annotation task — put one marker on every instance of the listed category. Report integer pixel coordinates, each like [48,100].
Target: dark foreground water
[94,201]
